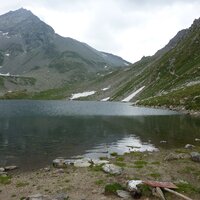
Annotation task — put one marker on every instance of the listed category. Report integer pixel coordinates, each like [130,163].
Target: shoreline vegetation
[82,181]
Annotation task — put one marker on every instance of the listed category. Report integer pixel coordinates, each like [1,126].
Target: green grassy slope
[171,77]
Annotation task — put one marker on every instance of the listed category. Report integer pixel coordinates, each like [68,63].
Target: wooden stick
[161,195]
[177,194]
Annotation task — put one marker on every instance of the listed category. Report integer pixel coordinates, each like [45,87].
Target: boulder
[82,162]
[195,156]
[59,162]
[2,169]
[9,168]
[189,146]
[123,194]
[197,140]
[99,162]
[112,169]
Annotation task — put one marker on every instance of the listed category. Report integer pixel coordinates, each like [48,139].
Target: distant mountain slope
[171,77]
[30,47]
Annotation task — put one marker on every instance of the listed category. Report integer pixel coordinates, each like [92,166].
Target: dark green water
[33,133]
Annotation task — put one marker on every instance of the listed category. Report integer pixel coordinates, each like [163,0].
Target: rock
[61,196]
[189,146]
[47,169]
[163,142]
[38,197]
[9,168]
[173,156]
[2,169]
[132,185]
[99,162]
[82,163]
[158,193]
[195,156]
[123,194]
[197,140]
[59,171]
[112,169]
[69,162]
[59,162]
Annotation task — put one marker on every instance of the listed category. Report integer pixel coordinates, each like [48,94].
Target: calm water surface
[33,133]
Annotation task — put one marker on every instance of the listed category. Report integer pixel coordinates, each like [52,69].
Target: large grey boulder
[99,162]
[82,162]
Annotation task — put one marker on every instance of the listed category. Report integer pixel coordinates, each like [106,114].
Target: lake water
[33,133]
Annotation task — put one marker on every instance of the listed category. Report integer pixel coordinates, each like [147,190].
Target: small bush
[112,188]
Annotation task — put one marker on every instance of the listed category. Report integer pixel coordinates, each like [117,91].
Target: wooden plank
[160,184]
[177,194]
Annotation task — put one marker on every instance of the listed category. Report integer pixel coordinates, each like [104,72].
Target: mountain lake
[33,133]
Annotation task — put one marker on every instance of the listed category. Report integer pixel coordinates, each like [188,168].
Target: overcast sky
[128,28]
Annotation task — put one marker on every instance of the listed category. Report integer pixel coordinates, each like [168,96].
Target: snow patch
[107,88]
[82,94]
[105,66]
[8,74]
[5,34]
[127,99]
[7,54]
[106,99]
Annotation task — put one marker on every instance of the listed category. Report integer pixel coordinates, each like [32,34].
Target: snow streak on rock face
[8,74]
[127,99]
[107,88]
[82,94]
[106,99]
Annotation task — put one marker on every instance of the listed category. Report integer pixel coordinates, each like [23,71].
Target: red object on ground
[160,184]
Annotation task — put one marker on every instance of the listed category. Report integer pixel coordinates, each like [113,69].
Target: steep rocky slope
[31,48]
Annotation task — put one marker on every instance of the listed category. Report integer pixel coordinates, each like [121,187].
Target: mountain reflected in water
[34,141]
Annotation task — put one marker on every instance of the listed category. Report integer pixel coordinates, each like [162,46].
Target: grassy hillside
[171,77]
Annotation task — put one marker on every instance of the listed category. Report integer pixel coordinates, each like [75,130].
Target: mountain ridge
[30,47]
[171,76]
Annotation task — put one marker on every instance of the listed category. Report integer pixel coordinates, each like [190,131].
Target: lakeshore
[89,183]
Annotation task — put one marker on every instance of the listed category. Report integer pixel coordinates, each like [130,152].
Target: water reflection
[32,142]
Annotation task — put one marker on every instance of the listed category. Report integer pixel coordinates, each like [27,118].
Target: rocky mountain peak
[196,23]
